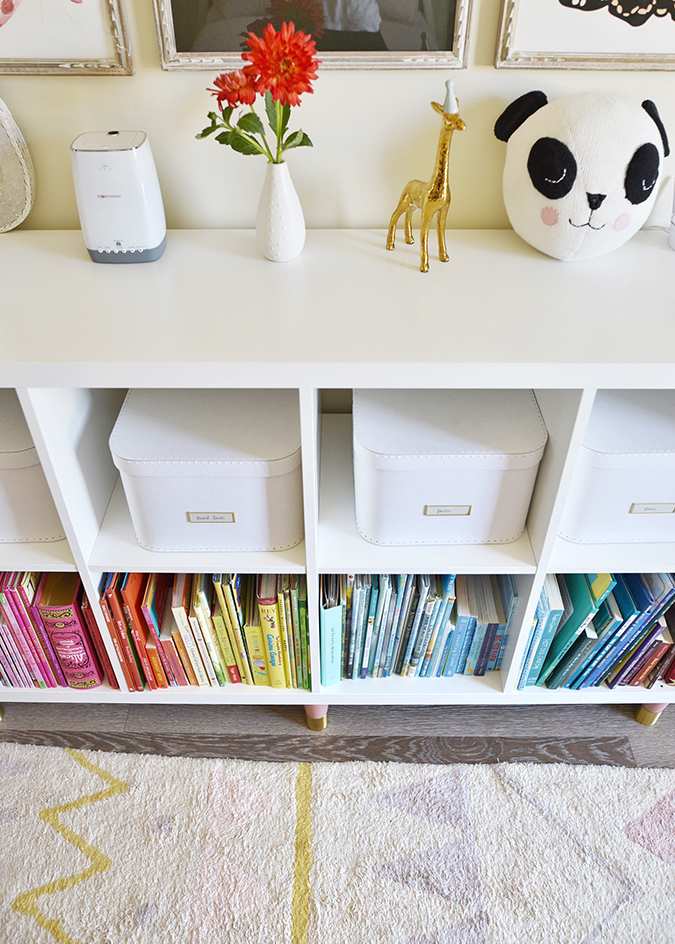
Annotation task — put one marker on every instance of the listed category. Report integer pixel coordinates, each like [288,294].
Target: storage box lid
[631,429]
[207,432]
[453,429]
[16,444]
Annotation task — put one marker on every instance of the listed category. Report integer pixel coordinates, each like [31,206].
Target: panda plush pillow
[581,172]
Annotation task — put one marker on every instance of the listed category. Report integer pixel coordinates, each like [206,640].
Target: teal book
[539,623]
[630,612]
[379,632]
[370,625]
[601,586]
[438,636]
[606,623]
[580,649]
[404,592]
[556,616]
[463,632]
[509,597]
[331,621]
[424,589]
[431,613]
[585,608]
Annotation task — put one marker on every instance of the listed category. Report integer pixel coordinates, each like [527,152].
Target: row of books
[595,629]
[208,629]
[413,625]
[48,634]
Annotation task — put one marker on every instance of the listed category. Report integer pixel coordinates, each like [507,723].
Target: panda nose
[595,200]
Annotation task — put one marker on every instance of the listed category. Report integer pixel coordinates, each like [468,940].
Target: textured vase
[280,224]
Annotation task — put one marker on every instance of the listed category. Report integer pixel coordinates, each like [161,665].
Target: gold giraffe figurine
[434,196]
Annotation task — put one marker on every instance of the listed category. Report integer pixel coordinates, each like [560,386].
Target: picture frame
[64,37]
[586,34]
[180,21]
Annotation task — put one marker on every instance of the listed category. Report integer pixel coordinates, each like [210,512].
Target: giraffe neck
[439,180]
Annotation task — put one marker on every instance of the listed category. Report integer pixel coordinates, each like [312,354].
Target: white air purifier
[118,196]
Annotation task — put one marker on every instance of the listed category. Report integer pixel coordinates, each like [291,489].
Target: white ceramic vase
[280,224]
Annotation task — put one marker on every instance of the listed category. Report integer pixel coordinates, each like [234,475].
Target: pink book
[47,646]
[58,605]
[16,600]
[19,636]
[7,662]
[15,655]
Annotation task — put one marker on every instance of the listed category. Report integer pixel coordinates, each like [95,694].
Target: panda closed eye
[552,168]
[641,174]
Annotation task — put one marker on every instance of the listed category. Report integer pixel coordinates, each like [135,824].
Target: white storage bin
[27,510]
[211,470]
[623,488]
[445,466]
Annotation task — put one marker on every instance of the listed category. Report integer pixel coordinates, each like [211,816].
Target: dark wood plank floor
[589,734]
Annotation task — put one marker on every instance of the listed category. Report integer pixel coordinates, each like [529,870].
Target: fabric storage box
[445,466]
[211,470]
[623,487]
[27,510]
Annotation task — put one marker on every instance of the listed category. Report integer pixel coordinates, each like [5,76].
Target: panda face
[581,174]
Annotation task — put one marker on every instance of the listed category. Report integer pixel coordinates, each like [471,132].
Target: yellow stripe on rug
[26,903]
[303,855]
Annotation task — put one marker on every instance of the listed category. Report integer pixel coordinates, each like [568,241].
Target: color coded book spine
[58,606]
[268,610]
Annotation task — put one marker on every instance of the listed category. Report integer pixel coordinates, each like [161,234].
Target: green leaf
[271,110]
[207,131]
[251,124]
[224,137]
[239,142]
[297,139]
[227,114]
[213,117]
[285,118]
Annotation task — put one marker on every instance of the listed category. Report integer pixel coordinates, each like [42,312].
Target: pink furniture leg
[650,714]
[316,717]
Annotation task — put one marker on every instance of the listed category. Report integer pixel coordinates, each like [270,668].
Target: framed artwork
[587,34]
[63,37]
[208,35]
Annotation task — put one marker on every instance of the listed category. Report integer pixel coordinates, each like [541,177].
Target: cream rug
[100,848]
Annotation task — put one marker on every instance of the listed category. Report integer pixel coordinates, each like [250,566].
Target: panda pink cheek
[621,222]
[550,216]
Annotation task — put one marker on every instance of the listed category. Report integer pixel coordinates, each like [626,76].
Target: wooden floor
[587,734]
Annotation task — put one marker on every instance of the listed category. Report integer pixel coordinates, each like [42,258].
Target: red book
[58,605]
[132,590]
[99,645]
[114,600]
[153,607]
[117,645]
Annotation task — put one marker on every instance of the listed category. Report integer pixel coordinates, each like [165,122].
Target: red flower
[235,88]
[284,62]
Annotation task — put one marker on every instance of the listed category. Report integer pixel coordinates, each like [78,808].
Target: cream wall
[372,131]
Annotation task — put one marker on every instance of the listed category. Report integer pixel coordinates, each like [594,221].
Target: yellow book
[202,609]
[228,588]
[234,645]
[224,643]
[269,622]
[254,641]
[286,630]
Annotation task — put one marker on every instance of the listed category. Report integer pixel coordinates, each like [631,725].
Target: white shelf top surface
[40,556]
[343,314]
[343,550]
[116,548]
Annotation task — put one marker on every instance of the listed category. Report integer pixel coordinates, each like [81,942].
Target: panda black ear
[653,113]
[517,112]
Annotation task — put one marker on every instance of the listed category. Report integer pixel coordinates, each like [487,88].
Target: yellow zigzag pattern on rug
[26,903]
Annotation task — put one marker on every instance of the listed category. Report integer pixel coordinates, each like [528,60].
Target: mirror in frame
[207,35]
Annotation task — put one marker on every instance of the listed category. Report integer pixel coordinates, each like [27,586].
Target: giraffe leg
[409,238]
[403,205]
[440,224]
[427,216]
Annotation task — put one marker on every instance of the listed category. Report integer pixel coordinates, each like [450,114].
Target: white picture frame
[173,57]
[585,34]
[65,37]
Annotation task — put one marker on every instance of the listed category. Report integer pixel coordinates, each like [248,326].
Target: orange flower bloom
[284,62]
[235,88]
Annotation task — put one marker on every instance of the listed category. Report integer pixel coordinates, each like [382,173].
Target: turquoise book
[556,615]
[539,623]
[332,615]
[585,608]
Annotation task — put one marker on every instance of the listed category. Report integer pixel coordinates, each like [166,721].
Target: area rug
[99,848]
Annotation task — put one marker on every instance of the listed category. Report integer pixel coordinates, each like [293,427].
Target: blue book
[509,595]
[606,624]
[423,587]
[645,590]
[463,630]
[556,614]
[438,667]
[539,621]
[405,582]
[440,630]
[629,613]
[387,591]
[431,611]
[370,624]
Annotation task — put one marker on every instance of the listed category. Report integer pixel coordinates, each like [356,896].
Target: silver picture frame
[617,46]
[113,31]
[174,58]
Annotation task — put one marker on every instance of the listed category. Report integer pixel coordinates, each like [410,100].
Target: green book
[585,608]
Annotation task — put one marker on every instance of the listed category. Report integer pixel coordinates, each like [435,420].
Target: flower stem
[277,105]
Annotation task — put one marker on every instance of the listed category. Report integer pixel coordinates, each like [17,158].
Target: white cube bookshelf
[212,313]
